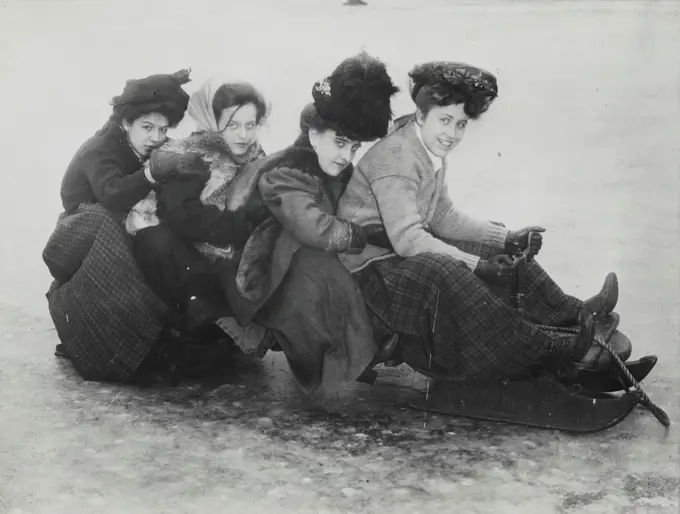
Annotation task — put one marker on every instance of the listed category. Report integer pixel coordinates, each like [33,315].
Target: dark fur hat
[445,80]
[162,92]
[355,98]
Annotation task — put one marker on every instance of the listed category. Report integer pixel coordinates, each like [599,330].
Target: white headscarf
[201,101]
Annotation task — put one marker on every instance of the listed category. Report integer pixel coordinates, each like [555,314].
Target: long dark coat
[290,280]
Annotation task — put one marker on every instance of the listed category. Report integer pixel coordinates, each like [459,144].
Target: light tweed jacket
[396,184]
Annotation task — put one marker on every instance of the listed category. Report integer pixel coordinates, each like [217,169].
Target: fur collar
[301,156]
[211,144]
[230,184]
[232,178]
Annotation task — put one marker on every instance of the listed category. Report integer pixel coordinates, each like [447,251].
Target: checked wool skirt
[451,318]
[105,313]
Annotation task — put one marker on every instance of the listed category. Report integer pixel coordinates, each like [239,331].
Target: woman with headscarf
[106,316]
[188,229]
[442,281]
[289,278]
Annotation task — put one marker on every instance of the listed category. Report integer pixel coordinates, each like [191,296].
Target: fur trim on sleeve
[255,264]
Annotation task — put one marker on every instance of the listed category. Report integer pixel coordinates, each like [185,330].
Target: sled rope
[527,256]
[643,399]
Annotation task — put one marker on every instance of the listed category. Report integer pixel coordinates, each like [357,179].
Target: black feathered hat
[355,99]
[444,80]
[163,92]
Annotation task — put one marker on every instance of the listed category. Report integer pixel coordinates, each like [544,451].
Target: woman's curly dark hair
[311,119]
[448,83]
[474,104]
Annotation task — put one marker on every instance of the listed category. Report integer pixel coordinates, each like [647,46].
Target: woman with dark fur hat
[442,282]
[107,317]
[289,278]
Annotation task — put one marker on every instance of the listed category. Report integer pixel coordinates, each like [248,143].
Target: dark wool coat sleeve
[180,207]
[295,199]
[105,170]
[111,186]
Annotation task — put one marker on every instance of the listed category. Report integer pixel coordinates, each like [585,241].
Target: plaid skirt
[451,319]
[105,314]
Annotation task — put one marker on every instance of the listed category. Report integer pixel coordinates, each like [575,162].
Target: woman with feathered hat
[289,278]
[442,281]
[105,313]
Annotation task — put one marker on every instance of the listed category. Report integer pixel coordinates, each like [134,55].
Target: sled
[574,400]
[587,404]
[540,402]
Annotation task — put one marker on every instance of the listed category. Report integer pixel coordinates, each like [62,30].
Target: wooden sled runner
[542,402]
[579,401]
[610,380]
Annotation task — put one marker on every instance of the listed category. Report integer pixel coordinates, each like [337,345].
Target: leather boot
[585,354]
[384,354]
[618,343]
[387,349]
[604,302]
[581,343]
[579,352]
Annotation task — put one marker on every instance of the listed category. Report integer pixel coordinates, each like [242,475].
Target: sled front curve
[611,380]
[541,402]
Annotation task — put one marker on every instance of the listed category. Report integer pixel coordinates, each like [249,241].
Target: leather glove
[497,271]
[376,235]
[357,238]
[256,210]
[518,240]
[165,165]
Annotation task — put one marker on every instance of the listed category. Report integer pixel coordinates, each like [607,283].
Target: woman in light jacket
[443,282]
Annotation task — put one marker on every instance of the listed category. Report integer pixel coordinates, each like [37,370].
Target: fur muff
[255,263]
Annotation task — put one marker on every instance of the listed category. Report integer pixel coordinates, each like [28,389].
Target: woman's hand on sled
[165,165]
[518,240]
[498,270]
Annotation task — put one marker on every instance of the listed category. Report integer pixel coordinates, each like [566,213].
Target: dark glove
[497,271]
[357,240]
[165,165]
[242,228]
[518,240]
[256,210]
[376,235]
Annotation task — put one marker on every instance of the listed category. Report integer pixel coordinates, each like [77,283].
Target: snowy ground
[583,139]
